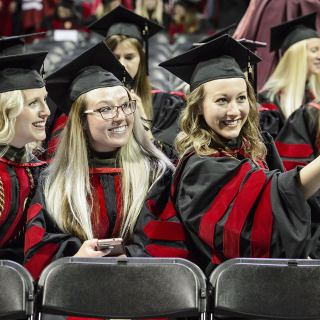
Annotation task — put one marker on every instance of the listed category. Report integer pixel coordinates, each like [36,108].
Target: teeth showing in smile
[231,123]
[39,124]
[119,129]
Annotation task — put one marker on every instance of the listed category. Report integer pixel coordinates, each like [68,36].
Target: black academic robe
[233,207]
[167,107]
[271,117]
[298,140]
[18,179]
[157,233]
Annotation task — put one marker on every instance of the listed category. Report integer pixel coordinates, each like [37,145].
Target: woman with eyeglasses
[104,170]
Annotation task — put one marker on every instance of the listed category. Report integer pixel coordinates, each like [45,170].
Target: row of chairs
[173,288]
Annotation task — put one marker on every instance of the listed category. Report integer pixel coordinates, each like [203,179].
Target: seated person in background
[230,203]
[23,117]
[107,179]
[296,79]
[298,142]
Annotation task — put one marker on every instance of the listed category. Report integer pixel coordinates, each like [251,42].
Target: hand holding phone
[113,247]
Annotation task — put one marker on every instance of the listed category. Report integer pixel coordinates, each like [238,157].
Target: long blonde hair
[11,106]
[141,86]
[67,189]
[289,78]
[197,136]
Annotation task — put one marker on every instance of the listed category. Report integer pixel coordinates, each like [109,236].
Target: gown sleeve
[297,141]
[159,232]
[44,241]
[167,108]
[232,208]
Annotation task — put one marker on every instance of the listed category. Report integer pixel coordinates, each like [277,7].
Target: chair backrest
[266,289]
[16,291]
[122,288]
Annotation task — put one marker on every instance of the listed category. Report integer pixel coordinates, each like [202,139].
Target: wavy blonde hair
[67,189]
[11,106]
[141,86]
[197,136]
[290,77]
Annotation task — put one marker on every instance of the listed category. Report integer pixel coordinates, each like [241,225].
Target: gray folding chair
[16,291]
[122,288]
[266,289]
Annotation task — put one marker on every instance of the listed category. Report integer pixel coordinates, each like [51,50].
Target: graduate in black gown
[298,142]
[107,178]
[230,203]
[296,79]
[24,113]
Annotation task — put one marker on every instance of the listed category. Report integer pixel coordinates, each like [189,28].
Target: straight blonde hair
[290,77]
[67,189]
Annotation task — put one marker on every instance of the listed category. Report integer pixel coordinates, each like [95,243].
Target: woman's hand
[89,250]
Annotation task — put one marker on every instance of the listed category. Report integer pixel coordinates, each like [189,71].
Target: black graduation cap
[125,22]
[220,58]
[19,72]
[15,44]
[95,68]
[286,34]
[122,21]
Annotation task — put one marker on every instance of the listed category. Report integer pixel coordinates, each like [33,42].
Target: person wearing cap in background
[230,203]
[296,79]
[126,33]
[24,113]
[104,170]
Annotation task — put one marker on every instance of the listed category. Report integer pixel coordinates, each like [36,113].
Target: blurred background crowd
[65,23]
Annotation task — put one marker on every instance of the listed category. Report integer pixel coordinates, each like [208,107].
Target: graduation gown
[157,232]
[18,179]
[298,140]
[271,117]
[167,108]
[233,207]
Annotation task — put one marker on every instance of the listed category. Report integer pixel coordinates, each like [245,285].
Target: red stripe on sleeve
[166,252]
[239,213]
[292,164]
[41,259]
[164,230]
[117,186]
[33,235]
[294,150]
[24,190]
[100,210]
[220,205]
[169,211]
[33,211]
[262,226]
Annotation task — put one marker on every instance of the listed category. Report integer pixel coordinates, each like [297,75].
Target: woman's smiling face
[226,106]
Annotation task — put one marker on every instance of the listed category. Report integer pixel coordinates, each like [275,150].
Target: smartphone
[112,247]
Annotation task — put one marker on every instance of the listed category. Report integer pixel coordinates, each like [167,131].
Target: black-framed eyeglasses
[110,112]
